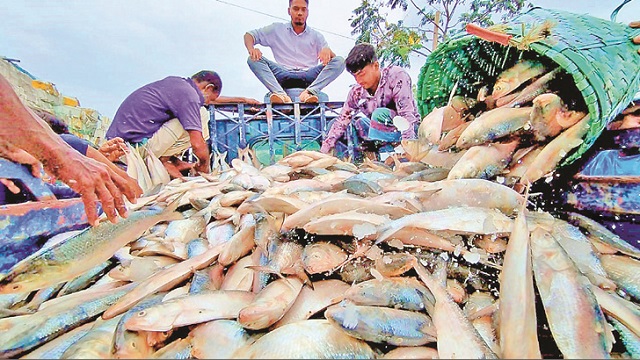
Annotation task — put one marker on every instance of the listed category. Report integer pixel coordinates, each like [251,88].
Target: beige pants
[172,139]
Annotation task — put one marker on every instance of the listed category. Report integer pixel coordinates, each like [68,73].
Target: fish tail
[266,269]
[170,213]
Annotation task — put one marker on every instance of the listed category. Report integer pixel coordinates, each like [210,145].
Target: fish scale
[52,324]
[75,255]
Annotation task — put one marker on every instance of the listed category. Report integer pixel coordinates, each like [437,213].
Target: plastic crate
[273,131]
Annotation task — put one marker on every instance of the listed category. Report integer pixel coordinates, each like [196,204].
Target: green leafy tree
[396,41]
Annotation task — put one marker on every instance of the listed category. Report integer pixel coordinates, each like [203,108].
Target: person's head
[57,125]
[363,64]
[209,83]
[299,11]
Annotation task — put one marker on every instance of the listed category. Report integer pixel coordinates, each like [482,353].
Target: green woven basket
[597,53]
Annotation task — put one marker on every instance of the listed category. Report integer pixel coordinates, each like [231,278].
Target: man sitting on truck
[297,49]
[383,96]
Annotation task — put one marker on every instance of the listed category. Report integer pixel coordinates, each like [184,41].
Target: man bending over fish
[383,96]
[166,114]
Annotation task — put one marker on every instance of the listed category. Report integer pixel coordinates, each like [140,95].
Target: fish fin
[485,311]
[266,269]
[298,271]
[170,212]
[376,274]
[154,190]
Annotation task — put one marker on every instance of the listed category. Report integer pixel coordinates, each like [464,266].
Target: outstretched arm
[235,99]
[94,181]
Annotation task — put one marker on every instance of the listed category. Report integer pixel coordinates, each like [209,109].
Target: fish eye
[142,313]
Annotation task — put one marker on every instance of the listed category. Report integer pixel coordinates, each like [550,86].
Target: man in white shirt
[297,50]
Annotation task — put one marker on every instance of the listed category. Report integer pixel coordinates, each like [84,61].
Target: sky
[100,51]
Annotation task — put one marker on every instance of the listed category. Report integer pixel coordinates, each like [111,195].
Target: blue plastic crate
[273,131]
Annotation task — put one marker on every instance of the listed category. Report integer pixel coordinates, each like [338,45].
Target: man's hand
[20,156]
[113,149]
[203,167]
[255,54]
[251,101]
[94,182]
[201,151]
[325,56]
[636,25]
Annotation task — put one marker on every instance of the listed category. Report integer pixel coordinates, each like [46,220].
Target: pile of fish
[315,257]
[517,134]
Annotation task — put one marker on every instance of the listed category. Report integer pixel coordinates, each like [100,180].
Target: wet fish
[430,128]
[381,324]
[74,256]
[309,339]
[575,319]
[353,223]
[531,91]
[270,304]
[463,192]
[239,276]
[218,339]
[624,271]
[241,243]
[493,125]
[511,78]
[456,335]
[481,308]
[429,174]
[45,325]
[95,344]
[162,280]
[465,220]
[393,264]
[411,352]
[322,257]
[311,301]
[190,309]
[603,234]
[580,251]
[556,150]
[449,140]
[54,348]
[483,161]
[518,321]
[178,349]
[126,344]
[398,292]
[339,204]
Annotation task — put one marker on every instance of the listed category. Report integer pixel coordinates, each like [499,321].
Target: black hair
[360,56]
[210,77]
[290,1]
[57,125]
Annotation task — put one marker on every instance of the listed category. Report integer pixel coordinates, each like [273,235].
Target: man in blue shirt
[296,49]
[167,114]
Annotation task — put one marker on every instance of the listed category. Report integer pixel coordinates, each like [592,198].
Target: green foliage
[396,41]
